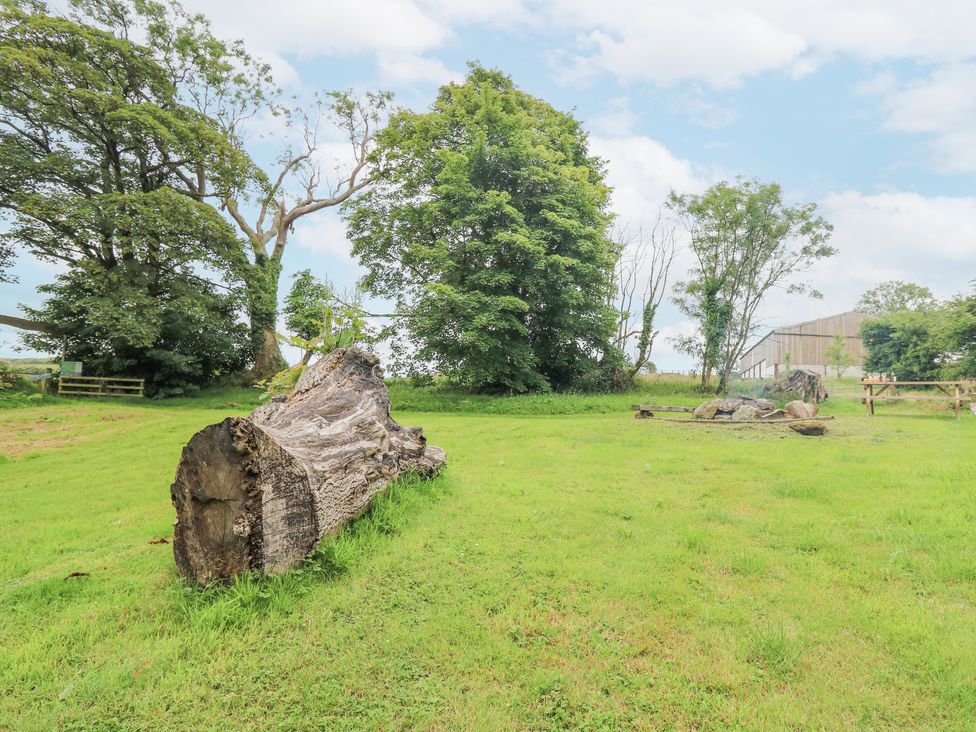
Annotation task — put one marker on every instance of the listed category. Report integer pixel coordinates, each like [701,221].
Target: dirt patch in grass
[27,432]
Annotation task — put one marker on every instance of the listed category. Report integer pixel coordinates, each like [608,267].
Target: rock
[813,429]
[745,413]
[801,410]
[765,405]
[707,410]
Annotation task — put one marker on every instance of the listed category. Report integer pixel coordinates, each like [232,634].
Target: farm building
[805,346]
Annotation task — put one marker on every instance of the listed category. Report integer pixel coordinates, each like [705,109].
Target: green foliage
[103,164]
[896,296]
[441,396]
[746,240]
[6,261]
[932,342]
[837,355]
[321,320]
[959,335]
[184,335]
[281,383]
[99,144]
[8,379]
[487,224]
[905,344]
[304,304]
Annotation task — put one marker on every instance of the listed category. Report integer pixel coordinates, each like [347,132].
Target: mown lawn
[570,571]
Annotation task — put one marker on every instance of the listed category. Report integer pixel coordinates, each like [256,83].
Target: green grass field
[573,569]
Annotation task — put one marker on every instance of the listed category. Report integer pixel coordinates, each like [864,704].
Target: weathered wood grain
[260,492]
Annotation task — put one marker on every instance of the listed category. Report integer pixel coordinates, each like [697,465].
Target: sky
[865,107]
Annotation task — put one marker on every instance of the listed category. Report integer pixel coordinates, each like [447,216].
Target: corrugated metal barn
[806,344]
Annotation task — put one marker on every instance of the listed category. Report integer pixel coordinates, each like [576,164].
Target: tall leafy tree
[837,354]
[179,84]
[304,304]
[94,148]
[746,241]
[906,344]
[959,336]
[304,309]
[895,296]
[183,336]
[488,222]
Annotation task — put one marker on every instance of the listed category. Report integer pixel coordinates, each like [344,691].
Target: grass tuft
[252,596]
[772,650]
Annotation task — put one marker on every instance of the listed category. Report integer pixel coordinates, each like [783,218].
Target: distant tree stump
[260,492]
[806,384]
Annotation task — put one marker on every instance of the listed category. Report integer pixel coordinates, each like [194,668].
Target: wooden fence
[101,386]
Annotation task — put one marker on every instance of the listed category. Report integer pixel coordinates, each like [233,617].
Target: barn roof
[785,329]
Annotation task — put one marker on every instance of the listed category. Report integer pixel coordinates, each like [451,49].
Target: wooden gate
[100,386]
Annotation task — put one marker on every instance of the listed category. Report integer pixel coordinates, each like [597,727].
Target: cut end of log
[259,493]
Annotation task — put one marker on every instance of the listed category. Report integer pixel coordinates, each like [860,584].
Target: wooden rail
[960,390]
[645,411]
[101,386]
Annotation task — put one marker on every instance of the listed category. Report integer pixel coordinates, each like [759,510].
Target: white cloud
[502,13]
[943,106]
[398,32]
[719,43]
[324,233]
[410,68]
[905,233]
[643,172]
[668,43]
[617,119]
[326,29]
[930,240]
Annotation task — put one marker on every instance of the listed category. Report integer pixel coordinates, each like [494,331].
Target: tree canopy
[905,344]
[838,355]
[746,241]
[487,224]
[895,296]
[959,333]
[933,341]
[97,124]
[100,169]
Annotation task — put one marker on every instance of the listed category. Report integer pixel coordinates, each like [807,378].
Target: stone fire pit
[749,409]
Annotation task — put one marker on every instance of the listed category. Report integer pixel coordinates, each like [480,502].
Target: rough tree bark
[807,384]
[260,492]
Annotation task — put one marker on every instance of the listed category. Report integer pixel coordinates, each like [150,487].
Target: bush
[180,340]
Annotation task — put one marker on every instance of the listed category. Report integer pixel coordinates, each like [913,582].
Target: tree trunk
[268,360]
[262,297]
[259,493]
[25,324]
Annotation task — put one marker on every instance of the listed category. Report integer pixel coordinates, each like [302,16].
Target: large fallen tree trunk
[259,493]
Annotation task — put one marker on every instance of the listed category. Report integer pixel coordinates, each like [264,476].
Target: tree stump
[260,492]
[806,384]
